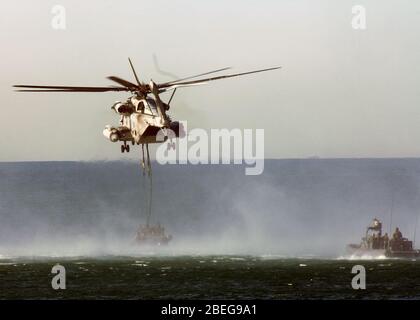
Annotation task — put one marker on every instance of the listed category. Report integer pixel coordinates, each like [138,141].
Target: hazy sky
[341,92]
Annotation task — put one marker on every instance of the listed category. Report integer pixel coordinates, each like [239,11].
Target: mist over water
[295,208]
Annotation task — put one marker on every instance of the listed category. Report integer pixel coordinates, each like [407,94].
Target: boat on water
[375,244]
[152,235]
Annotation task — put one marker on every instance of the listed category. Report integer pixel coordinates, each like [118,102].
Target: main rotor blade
[203,81]
[198,75]
[35,88]
[134,71]
[122,82]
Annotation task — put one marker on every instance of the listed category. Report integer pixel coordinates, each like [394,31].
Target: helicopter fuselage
[143,120]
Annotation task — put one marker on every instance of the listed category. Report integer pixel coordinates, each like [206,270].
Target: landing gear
[125,147]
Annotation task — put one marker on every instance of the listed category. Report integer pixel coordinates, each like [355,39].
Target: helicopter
[143,116]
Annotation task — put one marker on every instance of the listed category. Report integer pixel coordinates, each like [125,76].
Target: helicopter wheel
[127,148]
[122,148]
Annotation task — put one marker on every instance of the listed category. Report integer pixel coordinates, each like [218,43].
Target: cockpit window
[140,106]
[150,106]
